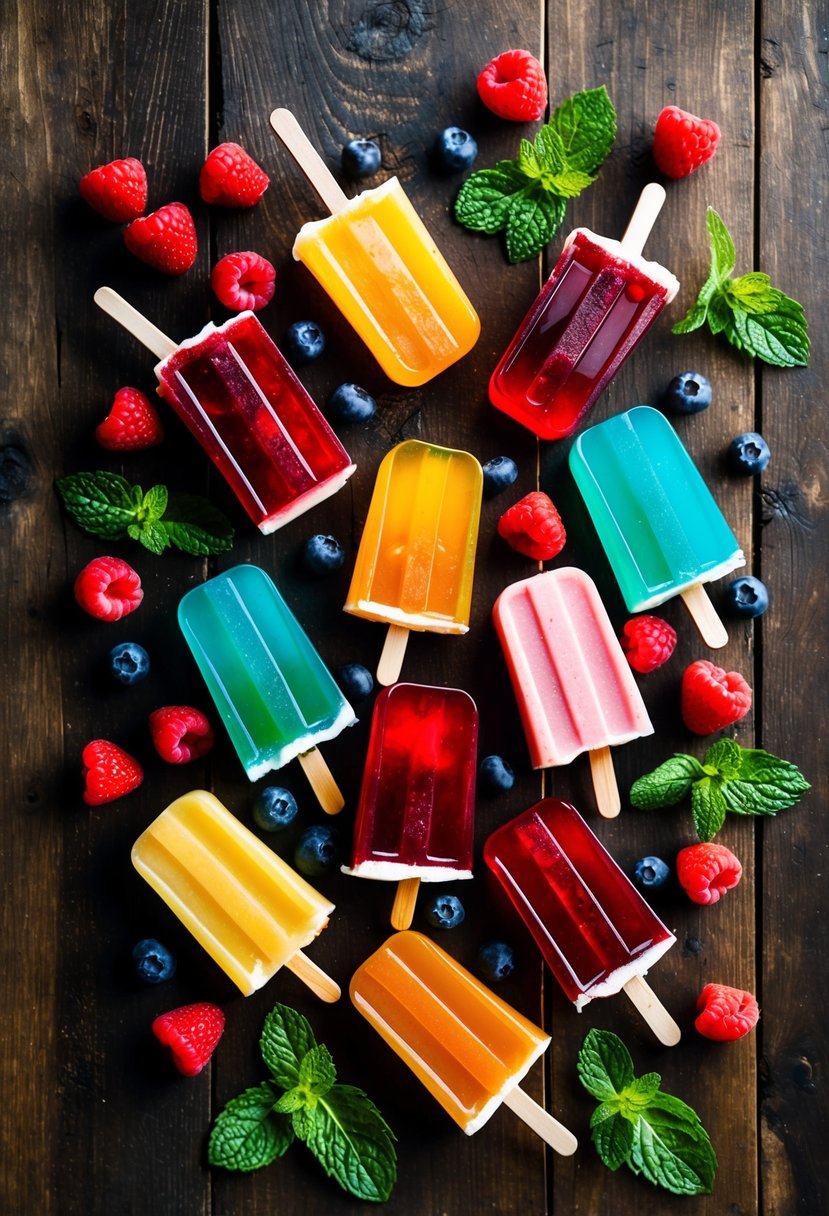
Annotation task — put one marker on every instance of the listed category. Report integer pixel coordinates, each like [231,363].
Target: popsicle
[273,692]
[376,260]
[250,911]
[590,315]
[661,530]
[235,393]
[594,929]
[416,559]
[468,1047]
[415,816]
[574,687]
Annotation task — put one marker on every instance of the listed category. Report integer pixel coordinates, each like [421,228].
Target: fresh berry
[746,597]
[688,393]
[533,526]
[304,342]
[496,960]
[651,873]
[180,733]
[274,808]
[648,642]
[153,962]
[495,774]
[499,474]
[713,698]
[108,589]
[191,1032]
[513,86]
[455,149]
[165,239]
[682,142]
[361,158]
[445,912]
[355,681]
[350,403]
[117,191]
[707,871]
[317,850]
[727,1013]
[232,178]
[243,280]
[323,554]
[108,772]
[131,424]
[748,454]
[128,663]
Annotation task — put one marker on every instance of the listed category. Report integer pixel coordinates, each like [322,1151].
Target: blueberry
[495,774]
[153,962]
[748,453]
[356,681]
[445,912]
[361,158]
[496,960]
[317,850]
[650,873]
[323,554]
[304,342]
[499,474]
[274,808]
[350,403]
[128,662]
[746,597]
[688,393]
[455,149]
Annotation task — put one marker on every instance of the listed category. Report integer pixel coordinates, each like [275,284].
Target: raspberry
[713,698]
[243,280]
[232,178]
[707,871]
[131,424]
[165,240]
[117,191]
[180,733]
[191,1032]
[108,772]
[727,1013]
[648,642]
[108,589]
[513,86]
[682,142]
[533,526]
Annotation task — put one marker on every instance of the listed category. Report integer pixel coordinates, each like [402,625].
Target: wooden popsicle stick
[134,322]
[322,781]
[704,616]
[653,1011]
[643,218]
[405,898]
[605,785]
[309,160]
[320,983]
[543,1124]
[391,660]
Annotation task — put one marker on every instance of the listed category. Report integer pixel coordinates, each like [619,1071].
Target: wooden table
[93,1119]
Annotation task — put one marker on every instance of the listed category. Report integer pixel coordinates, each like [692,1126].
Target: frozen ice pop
[574,687]
[415,816]
[661,530]
[273,692]
[250,911]
[594,929]
[592,312]
[468,1047]
[235,393]
[416,559]
[376,260]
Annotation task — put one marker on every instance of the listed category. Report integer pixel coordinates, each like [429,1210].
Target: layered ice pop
[574,687]
[415,816]
[592,312]
[661,529]
[235,393]
[376,260]
[250,911]
[468,1047]
[416,559]
[594,929]
[273,692]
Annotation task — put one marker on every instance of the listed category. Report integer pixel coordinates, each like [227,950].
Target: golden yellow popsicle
[248,908]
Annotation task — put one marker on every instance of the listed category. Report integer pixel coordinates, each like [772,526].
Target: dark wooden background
[92,1119]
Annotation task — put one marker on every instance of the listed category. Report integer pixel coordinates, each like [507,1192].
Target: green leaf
[726,756]
[693,319]
[533,221]
[153,504]
[666,785]
[286,1039]
[708,807]
[153,536]
[672,1148]
[604,1064]
[528,160]
[752,293]
[777,337]
[195,526]
[549,150]
[485,198]
[720,315]
[586,125]
[639,1092]
[570,182]
[317,1072]
[101,503]
[723,253]
[352,1142]
[612,1135]
[248,1134]
[761,766]
[292,1100]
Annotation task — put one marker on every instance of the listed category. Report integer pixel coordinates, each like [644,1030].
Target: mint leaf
[101,503]
[195,526]
[723,253]
[726,756]
[640,1091]
[752,292]
[708,807]
[762,767]
[153,504]
[532,223]
[672,1148]
[720,316]
[693,319]
[777,336]
[586,125]
[549,151]
[612,1135]
[317,1072]
[352,1142]
[604,1064]
[485,198]
[247,1134]
[152,536]
[286,1039]
[666,785]
[292,1100]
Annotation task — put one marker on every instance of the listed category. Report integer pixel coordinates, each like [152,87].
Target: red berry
[682,142]
[108,589]
[109,772]
[232,178]
[648,642]
[131,424]
[707,871]
[533,526]
[117,191]
[513,86]
[191,1032]
[727,1013]
[180,733]
[713,698]
[165,239]
[243,280]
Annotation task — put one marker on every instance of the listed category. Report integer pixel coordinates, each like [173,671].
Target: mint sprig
[526,197]
[339,1123]
[638,1125]
[743,780]
[754,316]
[108,506]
